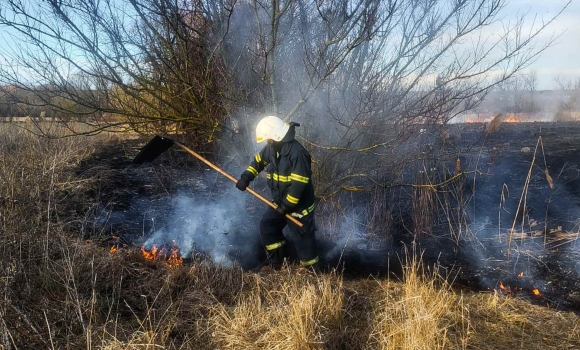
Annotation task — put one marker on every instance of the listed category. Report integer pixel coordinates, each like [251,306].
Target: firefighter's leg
[271,227]
[305,242]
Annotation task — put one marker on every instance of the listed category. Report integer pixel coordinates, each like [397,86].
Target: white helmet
[271,127]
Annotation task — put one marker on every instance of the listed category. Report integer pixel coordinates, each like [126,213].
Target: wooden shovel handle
[219,170]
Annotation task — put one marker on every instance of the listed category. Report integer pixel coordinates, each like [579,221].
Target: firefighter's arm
[300,177]
[257,165]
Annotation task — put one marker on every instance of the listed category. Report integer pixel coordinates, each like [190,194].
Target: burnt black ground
[505,158]
[130,201]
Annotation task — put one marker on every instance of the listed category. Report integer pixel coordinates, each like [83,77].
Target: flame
[481,119]
[172,260]
[113,249]
[521,275]
[504,288]
[150,254]
[536,292]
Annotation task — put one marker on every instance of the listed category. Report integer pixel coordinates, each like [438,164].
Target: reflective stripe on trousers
[303,239]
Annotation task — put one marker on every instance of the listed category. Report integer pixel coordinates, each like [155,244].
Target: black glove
[282,209]
[243,182]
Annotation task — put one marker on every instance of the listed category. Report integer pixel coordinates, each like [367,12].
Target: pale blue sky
[563,58]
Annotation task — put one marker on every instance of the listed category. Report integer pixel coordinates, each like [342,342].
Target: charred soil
[522,215]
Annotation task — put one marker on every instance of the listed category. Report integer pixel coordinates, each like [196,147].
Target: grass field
[61,290]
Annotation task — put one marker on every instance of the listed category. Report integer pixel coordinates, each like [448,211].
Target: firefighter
[289,175]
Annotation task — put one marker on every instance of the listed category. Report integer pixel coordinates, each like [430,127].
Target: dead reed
[495,124]
[422,312]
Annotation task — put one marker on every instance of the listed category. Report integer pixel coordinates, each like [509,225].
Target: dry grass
[423,207]
[62,292]
[422,312]
[501,322]
[285,311]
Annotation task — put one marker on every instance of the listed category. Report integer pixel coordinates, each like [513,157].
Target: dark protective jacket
[289,175]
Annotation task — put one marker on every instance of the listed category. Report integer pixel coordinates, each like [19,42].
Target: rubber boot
[276,258]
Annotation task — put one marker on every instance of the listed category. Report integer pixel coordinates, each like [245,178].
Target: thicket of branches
[360,74]
[140,65]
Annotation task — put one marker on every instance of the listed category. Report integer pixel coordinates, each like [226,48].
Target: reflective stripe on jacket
[288,173]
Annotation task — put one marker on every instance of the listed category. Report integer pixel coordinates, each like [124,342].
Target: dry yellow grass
[301,312]
[502,322]
[421,312]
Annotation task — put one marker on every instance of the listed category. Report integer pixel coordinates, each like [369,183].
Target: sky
[562,58]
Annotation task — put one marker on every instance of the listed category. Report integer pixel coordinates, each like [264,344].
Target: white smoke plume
[213,225]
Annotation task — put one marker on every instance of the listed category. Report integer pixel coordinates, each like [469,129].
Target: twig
[359,188]
[336,148]
[9,335]
[50,193]
[28,323]
[501,204]
[49,332]
[523,198]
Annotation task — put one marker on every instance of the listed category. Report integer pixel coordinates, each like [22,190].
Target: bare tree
[565,83]
[409,64]
[127,64]
[298,45]
[568,102]
[531,85]
[363,74]
[366,76]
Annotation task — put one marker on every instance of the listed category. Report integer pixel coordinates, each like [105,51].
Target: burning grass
[62,291]
[169,254]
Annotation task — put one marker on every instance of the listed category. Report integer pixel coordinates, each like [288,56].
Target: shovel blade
[153,149]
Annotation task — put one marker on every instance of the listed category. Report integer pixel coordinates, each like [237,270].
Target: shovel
[159,144]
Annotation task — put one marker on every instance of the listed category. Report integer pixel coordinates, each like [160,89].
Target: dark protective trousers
[271,227]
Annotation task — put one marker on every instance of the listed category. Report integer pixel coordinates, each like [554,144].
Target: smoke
[525,106]
[215,225]
[346,112]
[542,244]
[349,233]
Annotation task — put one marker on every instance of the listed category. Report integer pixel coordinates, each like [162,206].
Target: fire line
[170,255]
